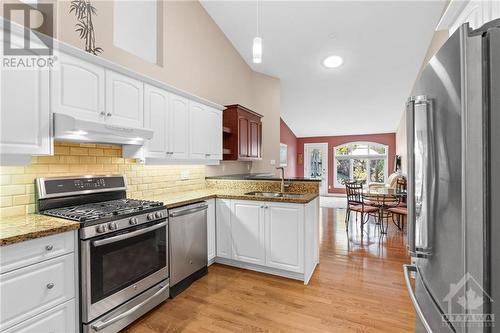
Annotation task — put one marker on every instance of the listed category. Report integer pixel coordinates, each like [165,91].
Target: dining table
[384,198]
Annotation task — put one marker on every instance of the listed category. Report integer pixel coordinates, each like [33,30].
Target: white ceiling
[383,45]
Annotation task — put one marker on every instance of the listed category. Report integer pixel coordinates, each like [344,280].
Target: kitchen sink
[275,194]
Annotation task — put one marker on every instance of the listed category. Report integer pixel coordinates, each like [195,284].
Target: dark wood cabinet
[242,134]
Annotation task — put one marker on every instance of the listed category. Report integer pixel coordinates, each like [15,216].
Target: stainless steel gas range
[124,269]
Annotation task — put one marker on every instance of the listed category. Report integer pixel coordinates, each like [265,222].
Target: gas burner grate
[101,210]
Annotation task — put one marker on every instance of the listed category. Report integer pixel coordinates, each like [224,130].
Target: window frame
[366,157]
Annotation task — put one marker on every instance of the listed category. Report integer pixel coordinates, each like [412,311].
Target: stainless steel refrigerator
[453,130]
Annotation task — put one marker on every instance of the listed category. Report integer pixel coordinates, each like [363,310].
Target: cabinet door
[33,289]
[285,236]
[243,137]
[59,319]
[156,117]
[178,130]
[214,124]
[223,228]
[124,100]
[77,89]
[25,114]
[247,230]
[198,131]
[254,139]
[211,229]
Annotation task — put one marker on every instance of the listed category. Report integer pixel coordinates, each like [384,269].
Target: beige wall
[197,58]
[438,40]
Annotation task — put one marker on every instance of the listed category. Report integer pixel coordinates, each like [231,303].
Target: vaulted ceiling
[382,43]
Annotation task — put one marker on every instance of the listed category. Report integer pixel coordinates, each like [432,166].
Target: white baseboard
[261,269]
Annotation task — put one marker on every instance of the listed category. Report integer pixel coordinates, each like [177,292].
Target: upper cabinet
[124,100]
[77,89]
[474,12]
[242,134]
[167,115]
[205,132]
[25,116]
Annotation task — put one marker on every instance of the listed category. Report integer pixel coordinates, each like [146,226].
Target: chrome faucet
[282,178]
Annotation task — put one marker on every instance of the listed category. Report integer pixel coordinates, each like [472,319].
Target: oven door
[118,266]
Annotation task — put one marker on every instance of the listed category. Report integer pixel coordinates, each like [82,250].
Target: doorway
[316,164]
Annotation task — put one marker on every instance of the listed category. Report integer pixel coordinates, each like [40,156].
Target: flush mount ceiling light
[257,42]
[333,61]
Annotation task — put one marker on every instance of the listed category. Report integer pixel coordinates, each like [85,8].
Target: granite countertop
[262,176]
[15,229]
[184,198]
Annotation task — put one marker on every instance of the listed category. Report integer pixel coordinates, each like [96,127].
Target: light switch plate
[273,162]
[185,175]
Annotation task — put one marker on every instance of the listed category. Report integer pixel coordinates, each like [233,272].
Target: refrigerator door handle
[410,130]
[407,269]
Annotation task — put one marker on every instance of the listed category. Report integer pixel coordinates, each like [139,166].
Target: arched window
[360,161]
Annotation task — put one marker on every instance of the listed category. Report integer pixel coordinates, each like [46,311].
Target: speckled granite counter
[184,198]
[15,229]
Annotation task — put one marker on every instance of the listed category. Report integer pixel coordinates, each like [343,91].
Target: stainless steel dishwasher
[188,245]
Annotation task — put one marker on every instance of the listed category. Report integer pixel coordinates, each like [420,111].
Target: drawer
[31,290]
[59,319]
[36,250]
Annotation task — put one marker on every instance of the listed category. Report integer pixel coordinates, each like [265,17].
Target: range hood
[70,128]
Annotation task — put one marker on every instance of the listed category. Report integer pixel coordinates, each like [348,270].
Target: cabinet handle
[102,113]
[49,247]
[50,285]
[109,114]
[262,207]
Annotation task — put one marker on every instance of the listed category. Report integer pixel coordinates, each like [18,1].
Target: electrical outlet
[185,175]
[273,162]
[248,167]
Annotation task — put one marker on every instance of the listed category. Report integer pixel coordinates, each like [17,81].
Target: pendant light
[257,41]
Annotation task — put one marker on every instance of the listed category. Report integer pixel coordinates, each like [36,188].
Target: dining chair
[356,203]
[401,209]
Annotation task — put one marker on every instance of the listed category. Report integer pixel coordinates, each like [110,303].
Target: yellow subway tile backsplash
[17,189]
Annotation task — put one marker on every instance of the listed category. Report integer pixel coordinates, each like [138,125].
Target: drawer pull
[50,285]
[49,247]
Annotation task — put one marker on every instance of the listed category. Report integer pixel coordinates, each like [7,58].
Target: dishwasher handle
[189,209]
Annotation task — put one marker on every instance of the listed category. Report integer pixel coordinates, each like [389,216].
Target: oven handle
[114,239]
[101,325]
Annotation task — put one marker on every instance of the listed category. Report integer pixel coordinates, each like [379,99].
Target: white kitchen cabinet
[247,231]
[156,117]
[211,238]
[33,289]
[179,127]
[77,88]
[272,237]
[38,284]
[25,124]
[475,12]
[223,228]
[205,132]
[284,225]
[124,100]
[59,319]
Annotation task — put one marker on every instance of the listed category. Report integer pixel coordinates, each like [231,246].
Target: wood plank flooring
[358,287]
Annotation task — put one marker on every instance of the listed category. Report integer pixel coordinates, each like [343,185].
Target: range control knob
[112,226]
[100,228]
[159,215]
[151,216]
[133,220]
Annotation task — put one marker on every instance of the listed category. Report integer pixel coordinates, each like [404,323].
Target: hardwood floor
[358,287]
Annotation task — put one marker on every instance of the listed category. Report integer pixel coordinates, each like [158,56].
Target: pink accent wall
[333,141]
[287,137]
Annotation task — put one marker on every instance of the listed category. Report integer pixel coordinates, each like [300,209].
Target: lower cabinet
[247,231]
[211,231]
[284,241]
[40,296]
[272,237]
